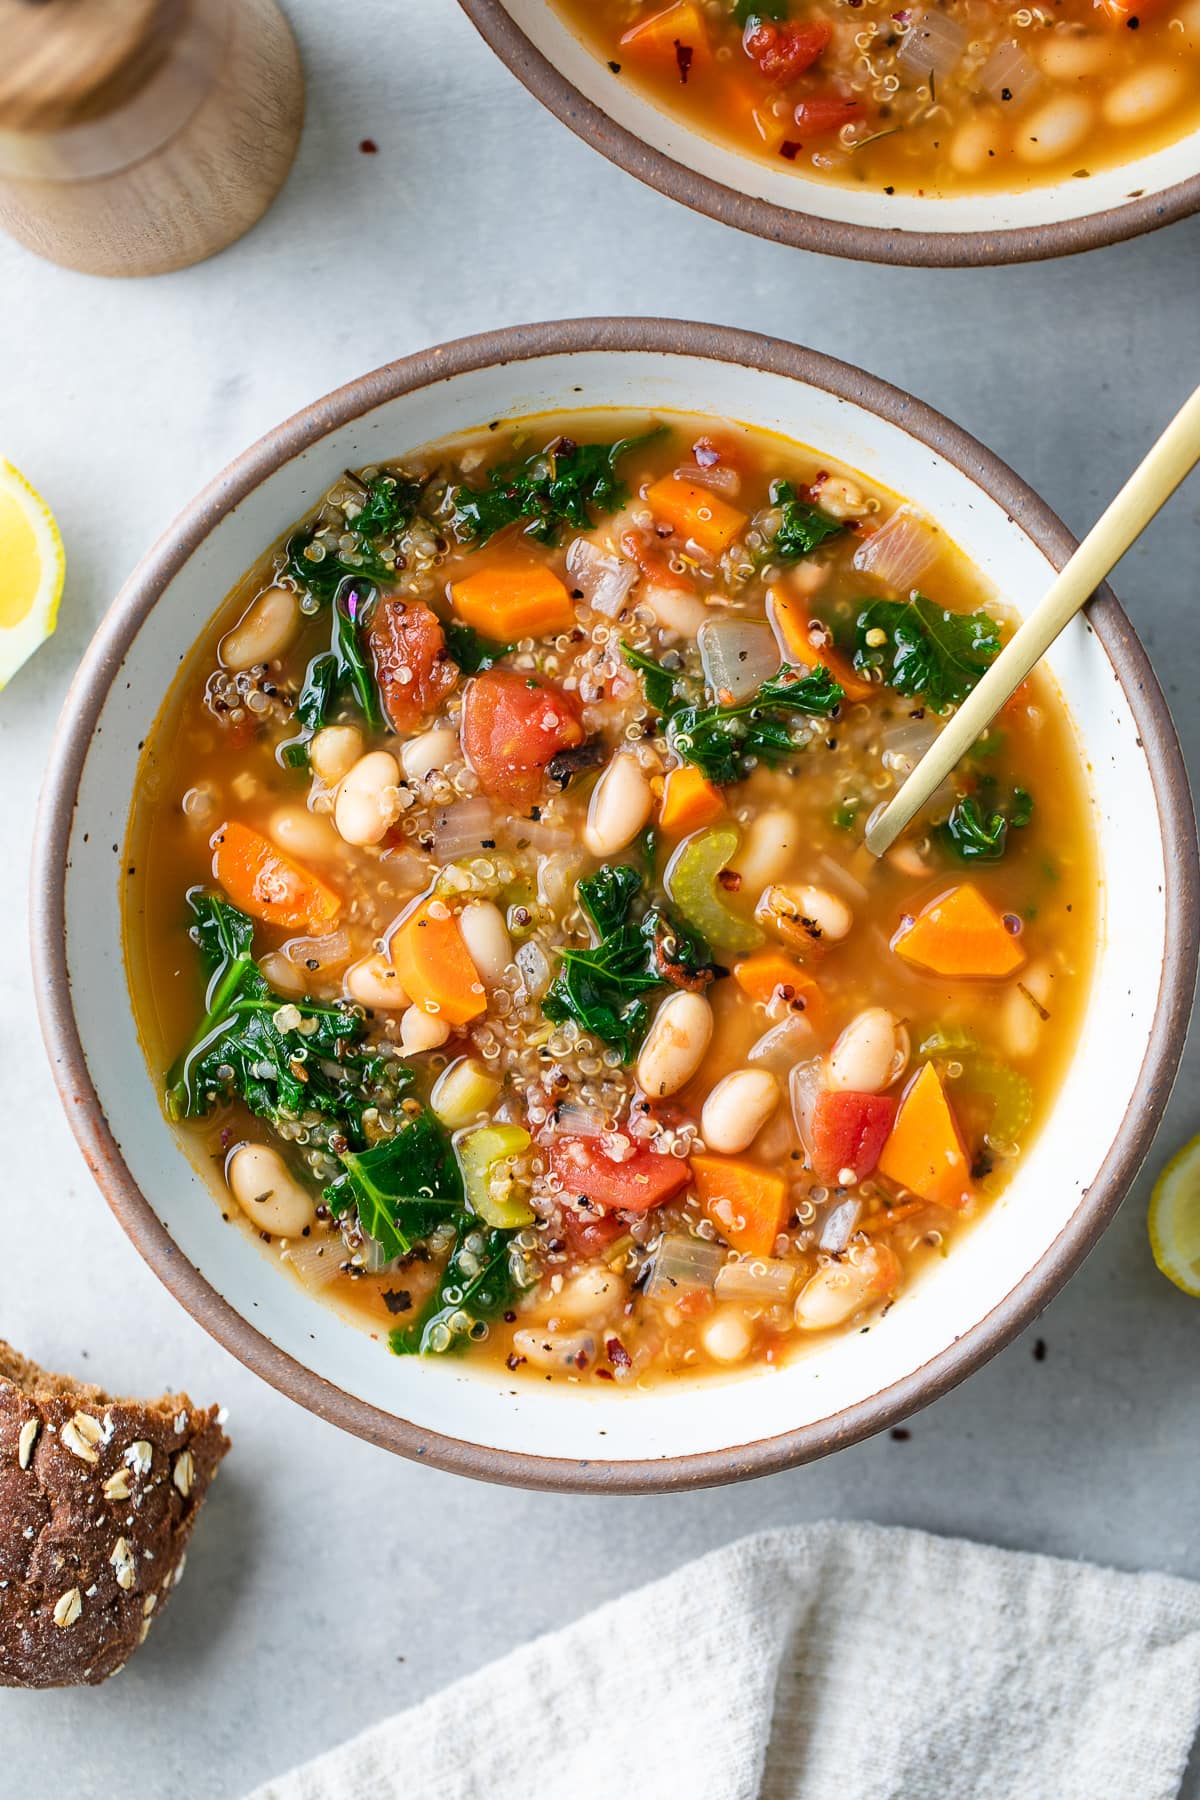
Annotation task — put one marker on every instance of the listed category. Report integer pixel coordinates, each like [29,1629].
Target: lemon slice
[1174,1219]
[32,565]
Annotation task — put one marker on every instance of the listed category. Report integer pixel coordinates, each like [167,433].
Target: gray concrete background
[330,1583]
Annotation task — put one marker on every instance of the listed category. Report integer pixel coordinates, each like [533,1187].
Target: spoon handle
[1148,489]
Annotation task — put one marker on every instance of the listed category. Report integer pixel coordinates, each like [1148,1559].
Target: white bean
[593,1297]
[428,751]
[420,1030]
[679,613]
[334,750]
[488,943]
[302,834]
[1143,95]
[282,974]
[675,1044]
[807,916]
[840,1289]
[1055,128]
[737,1109]
[1069,56]
[621,804]
[374,982]
[869,1054]
[264,631]
[974,144]
[1027,1000]
[726,1336]
[841,499]
[267,1191]
[768,849]
[367,804]
[547,1349]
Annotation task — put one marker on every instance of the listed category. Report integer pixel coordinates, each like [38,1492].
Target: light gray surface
[330,1583]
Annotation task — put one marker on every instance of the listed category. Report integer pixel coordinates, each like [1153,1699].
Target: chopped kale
[725,742]
[402,1187]
[801,529]
[566,484]
[977,830]
[476,1284]
[925,652]
[603,988]
[662,687]
[324,575]
[746,10]
[470,651]
[389,506]
[342,671]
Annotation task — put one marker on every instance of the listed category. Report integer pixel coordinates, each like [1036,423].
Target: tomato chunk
[823,113]
[784,51]
[413,667]
[589,1234]
[849,1132]
[514,725]
[643,1180]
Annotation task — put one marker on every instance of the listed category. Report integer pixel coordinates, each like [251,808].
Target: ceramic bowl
[1001,1272]
[779,203]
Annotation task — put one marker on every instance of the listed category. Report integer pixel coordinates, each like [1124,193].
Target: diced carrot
[505,601]
[959,934]
[688,802]
[269,885]
[770,976]
[790,617]
[924,1153]
[433,964]
[662,36]
[745,1203]
[695,513]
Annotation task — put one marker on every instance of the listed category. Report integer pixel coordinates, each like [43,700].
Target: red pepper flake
[605,1375]
[369,147]
[617,1354]
[683,56]
[729,879]
[790,150]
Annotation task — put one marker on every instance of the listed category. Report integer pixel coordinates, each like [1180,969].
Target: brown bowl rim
[101,666]
[1138,214]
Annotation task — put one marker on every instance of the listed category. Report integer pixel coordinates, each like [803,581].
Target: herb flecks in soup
[931,99]
[501,909]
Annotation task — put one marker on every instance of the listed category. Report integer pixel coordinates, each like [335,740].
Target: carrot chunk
[695,513]
[790,618]
[959,934]
[269,885]
[688,802]
[506,601]
[662,36]
[924,1153]
[434,967]
[745,1203]
[769,976]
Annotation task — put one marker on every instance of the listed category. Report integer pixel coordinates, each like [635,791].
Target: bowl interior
[1082,197]
[441,1396]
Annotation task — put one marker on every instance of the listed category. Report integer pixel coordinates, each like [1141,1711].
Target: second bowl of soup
[504,955]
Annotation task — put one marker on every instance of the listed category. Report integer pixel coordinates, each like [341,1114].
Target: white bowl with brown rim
[461,1416]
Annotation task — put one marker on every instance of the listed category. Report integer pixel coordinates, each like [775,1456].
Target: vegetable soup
[944,99]
[499,912]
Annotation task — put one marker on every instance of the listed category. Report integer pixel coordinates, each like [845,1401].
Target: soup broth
[500,925]
[942,99]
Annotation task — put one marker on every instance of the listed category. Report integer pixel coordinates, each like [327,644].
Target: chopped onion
[556,878]
[902,746]
[467,828]
[737,656]
[844,882]
[683,1263]
[408,867]
[573,1119]
[839,1226]
[1008,74]
[717,476]
[316,1260]
[602,577]
[547,840]
[899,553]
[327,952]
[806,1086]
[781,1048]
[934,44]
[534,965]
[765,1278]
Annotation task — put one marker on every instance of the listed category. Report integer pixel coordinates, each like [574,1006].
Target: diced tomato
[589,1234]
[823,113]
[849,1132]
[643,1180]
[653,563]
[785,51]
[413,667]
[512,726]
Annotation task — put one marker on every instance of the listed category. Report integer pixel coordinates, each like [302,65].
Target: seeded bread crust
[98,1497]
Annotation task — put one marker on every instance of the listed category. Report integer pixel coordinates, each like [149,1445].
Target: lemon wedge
[1174,1219]
[32,566]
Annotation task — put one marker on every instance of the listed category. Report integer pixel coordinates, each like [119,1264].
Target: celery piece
[484,1156]
[691,881]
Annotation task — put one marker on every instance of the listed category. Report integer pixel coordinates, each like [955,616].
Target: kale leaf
[403,1186]
[801,529]
[391,501]
[470,651]
[745,10]
[344,669]
[603,988]
[725,742]
[324,576]
[565,484]
[476,1284]
[927,653]
[664,690]
[978,832]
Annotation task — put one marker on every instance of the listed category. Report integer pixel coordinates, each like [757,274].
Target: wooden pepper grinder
[138,136]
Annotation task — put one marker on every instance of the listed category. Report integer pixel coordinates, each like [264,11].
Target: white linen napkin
[821,1662]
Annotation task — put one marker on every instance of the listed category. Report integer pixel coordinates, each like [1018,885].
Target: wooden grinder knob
[138,136]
